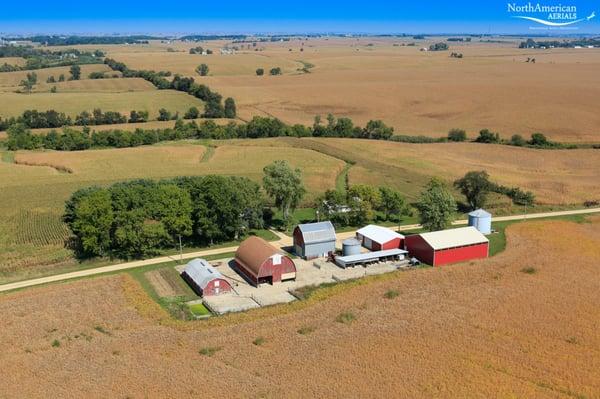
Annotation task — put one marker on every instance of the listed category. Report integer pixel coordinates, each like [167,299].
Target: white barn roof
[378,234]
[317,232]
[201,272]
[454,238]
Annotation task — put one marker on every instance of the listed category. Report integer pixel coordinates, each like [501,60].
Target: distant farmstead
[377,238]
[204,279]
[448,246]
[314,240]
[260,262]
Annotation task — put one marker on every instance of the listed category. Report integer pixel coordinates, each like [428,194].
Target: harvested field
[111,85]
[41,191]
[220,65]
[483,329]
[428,92]
[556,177]
[12,61]
[12,79]
[76,102]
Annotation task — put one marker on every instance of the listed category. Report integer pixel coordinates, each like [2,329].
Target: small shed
[260,262]
[370,257]
[377,238]
[481,220]
[314,240]
[448,246]
[204,279]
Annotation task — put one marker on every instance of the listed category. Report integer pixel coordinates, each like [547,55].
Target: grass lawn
[198,309]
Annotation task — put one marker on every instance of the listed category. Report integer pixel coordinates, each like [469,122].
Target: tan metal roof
[253,252]
[454,238]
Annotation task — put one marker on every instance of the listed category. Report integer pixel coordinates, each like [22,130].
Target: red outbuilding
[377,238]
[204,279]
[448,246]
[260,262]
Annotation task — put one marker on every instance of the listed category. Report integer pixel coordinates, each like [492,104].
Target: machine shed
[377,238]
[314,240]
[204,278]
[448,246]
[260,262]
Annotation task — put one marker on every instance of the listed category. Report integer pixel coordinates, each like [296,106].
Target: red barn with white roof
[377,238]
[448,246]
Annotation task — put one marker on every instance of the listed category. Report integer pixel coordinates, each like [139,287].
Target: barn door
[276,273]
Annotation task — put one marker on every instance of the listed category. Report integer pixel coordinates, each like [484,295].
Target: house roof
[253,252]
[317,232]
[480,213]
[378,234]
[201,272]
[454,238]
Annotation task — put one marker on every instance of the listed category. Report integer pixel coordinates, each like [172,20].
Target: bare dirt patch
[162,287]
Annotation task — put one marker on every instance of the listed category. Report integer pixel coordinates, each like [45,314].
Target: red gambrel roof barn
[260,262]
[377,238]
[448,246]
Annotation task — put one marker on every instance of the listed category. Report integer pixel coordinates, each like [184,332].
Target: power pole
[180,250]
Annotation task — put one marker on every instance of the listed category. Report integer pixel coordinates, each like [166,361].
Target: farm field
[76,102]
[111,85]
[482,329]
[13,61]
[556,177]
[32,236]
[184,63]
[427,93]
[12,79]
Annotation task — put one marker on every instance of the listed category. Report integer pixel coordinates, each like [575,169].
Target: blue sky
[268,16]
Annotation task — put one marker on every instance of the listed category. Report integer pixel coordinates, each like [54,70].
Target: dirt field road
[283,242]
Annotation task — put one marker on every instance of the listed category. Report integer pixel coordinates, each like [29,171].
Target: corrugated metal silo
[481,220]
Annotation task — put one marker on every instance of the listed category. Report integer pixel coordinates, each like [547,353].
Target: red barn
[448,246]
[260,262]
[204,279]
[377,238]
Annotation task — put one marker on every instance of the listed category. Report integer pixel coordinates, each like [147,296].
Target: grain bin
[350,246]
[481,220]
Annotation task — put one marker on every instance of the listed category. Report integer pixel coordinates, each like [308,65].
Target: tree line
[21,137]
[139,218]
[213,107]
[33,119]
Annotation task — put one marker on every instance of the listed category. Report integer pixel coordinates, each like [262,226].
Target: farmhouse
[448,246]
[260,262]
[377,238]
[313,240]
[204,279]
